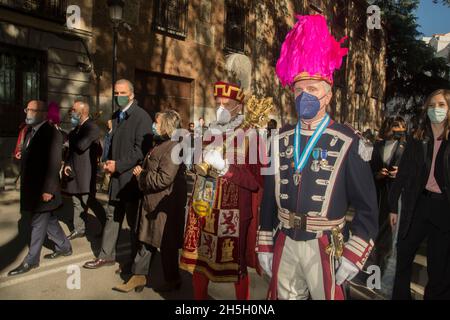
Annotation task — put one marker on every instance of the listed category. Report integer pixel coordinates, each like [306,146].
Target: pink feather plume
[309,47]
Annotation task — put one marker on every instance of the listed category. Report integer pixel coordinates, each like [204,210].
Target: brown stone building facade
[176,50]
[173,51]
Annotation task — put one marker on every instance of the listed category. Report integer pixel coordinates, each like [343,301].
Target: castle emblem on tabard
[209,223]
[227,250]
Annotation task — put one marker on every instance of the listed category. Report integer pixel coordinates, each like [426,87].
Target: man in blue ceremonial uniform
[321,168]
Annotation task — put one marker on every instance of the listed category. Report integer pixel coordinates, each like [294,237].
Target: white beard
[217,128]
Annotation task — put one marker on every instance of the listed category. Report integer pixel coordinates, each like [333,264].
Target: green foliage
[444,2]
[412,70]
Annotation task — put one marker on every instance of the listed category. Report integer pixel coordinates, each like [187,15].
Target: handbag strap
[398,153]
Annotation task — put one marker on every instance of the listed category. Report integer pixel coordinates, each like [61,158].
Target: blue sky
[433,18]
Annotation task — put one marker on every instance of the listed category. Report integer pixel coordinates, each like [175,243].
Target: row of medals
[316,164]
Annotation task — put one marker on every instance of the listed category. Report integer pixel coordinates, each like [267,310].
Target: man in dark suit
[40,193]
[130,141]
[80,168]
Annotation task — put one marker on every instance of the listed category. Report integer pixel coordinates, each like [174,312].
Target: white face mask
[437,115]
[223,115]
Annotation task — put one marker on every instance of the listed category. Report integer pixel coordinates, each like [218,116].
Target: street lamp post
[115,13]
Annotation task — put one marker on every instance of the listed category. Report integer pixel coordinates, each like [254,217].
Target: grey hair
[127,82]
[326,86]
[83,103]
[170,121]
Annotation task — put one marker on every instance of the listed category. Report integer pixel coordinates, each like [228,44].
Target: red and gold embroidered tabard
[222,244]
[211,243]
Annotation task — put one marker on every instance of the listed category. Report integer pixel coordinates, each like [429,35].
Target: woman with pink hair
[54,118]
[53,114]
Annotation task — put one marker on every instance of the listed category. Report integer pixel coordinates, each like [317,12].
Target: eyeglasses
[26,110]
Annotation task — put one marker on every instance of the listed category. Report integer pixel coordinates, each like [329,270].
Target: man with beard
[220,233]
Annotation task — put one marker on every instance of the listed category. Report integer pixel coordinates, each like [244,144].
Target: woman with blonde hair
[161,217]
[423,180]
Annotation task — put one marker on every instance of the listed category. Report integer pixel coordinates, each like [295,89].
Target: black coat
[131,139]
[376,163]
[84,150]
[383,185]
[412,178]
[40,166]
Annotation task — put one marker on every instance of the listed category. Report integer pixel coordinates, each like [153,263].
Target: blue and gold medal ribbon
[301,161]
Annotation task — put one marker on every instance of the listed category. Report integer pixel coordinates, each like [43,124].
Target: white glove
[215,160]
[346,271]
[265,261]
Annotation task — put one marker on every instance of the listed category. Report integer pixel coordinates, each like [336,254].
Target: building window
[376,85]
[22,78]
[235,26]
[281,30]
[338,21]
[359,83]
[377,38]
[340,74]
[49,9]
[171,17]
[360,21]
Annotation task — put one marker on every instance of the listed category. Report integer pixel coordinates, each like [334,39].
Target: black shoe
[23,268]
[58,254]
[169,286]
[360,280]
[98,263]
[75,234]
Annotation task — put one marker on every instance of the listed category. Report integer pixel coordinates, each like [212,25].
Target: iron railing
[171,17]
[54,10]
[235,30]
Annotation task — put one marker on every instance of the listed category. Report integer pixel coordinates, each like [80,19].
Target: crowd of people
[291,225]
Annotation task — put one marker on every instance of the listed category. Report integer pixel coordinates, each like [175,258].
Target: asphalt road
[58,279]
[49,281]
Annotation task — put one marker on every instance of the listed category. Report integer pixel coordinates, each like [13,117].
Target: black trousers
[169,259]
[438,251]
